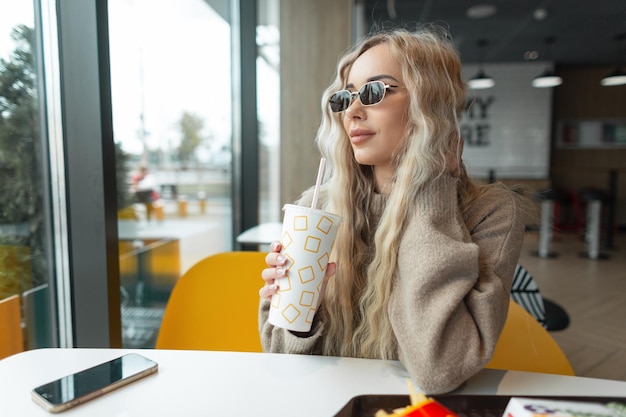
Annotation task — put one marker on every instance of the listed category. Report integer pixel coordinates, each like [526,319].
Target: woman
[424,259]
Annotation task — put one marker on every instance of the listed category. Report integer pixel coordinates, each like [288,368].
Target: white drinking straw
[320,171]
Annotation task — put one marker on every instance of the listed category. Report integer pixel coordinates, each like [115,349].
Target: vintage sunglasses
[370,93]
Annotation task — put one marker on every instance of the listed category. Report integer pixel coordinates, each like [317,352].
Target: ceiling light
[617,77]
[547,79]
[481,11]
[531,55]
[540,13]
[481,81]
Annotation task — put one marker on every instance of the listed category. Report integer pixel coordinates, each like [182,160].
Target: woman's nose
[355,109]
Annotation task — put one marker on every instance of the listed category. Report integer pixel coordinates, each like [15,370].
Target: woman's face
[377,131]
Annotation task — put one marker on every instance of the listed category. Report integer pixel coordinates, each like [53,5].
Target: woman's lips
[360,135]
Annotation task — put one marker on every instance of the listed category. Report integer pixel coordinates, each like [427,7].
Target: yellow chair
[11,340]
[525,345]
[214,305]
[199,315]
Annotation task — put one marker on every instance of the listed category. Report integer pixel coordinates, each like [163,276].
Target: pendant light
[618,75]
[481,80]
[549,78]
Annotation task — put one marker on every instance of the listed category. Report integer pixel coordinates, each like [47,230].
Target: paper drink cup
[307,238]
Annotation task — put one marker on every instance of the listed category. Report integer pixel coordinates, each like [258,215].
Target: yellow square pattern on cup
[306,274]
[289,260]
[291,313]
[306,298]
[301,223]
[310,315]
[285,284]
[312,244]
[324,225]
[276,300]
[287,240]
[322,261]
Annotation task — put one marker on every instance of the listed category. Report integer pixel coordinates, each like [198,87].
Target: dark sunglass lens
[339,101]
[372,93]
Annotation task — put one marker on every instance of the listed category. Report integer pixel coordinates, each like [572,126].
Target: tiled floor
[593,292]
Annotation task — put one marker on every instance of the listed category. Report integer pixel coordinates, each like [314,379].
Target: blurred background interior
[139,137]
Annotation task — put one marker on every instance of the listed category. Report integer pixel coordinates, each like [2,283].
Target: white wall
[507,128]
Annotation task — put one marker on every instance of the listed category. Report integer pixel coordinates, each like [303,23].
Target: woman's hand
[276,270]
[276,263]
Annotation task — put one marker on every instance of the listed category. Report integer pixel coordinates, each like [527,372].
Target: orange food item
[421,406]
[427,408]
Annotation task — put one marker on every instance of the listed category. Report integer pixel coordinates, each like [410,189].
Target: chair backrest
[214,305]
[525,345]
[11,340]
[525,292]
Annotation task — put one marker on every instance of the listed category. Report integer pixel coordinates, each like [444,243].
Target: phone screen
[87,384]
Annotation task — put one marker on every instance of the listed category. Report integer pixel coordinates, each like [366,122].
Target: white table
[262,234]
[196,239]
[203,383]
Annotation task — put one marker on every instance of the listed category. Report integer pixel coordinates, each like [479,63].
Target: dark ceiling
[584,31]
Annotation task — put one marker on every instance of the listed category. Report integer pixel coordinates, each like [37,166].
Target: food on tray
[531,407]
[421,406]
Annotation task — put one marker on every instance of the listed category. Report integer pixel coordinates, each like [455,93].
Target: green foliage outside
[19,144]
[190,126]
[122,160]
[21,200]
[21,155]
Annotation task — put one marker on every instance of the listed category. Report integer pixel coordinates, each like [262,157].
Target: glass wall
[24,226]
[268,104]
[170,141]
[171,82]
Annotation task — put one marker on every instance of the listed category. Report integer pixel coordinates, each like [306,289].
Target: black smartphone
[74,389]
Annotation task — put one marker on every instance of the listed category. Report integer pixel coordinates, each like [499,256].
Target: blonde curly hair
[356,299]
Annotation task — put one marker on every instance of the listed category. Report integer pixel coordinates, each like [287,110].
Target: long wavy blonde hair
[356,298]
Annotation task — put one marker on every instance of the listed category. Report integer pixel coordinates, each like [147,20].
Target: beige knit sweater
[446,312]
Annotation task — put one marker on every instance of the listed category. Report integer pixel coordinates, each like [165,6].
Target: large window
[171,82]
[129,150]
[268,99]
[24,226]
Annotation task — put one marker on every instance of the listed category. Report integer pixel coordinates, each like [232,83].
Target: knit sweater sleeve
[451,292]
